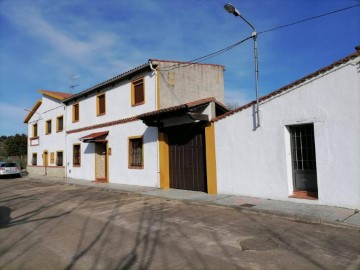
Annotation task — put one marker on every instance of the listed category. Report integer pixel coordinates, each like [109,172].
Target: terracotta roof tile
[57,95]
[291,85]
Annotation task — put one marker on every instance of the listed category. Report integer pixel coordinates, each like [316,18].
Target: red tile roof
[57,95]
[153,113]
[293,84]
[185,62]
[94,136]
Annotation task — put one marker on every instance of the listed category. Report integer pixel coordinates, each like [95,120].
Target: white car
[9,169]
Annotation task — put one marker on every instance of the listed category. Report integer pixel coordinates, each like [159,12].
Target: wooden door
[187,159]
[45,161]
[100,162]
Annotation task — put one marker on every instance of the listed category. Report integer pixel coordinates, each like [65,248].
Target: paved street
[58,226]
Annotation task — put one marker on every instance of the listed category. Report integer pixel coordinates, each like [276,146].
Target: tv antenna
[72,78]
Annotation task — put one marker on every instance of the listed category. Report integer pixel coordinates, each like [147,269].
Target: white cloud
[11,119]
[237,96]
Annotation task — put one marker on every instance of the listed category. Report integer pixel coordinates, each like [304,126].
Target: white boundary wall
[258,162]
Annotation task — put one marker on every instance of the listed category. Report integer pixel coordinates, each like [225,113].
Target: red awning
[93,137]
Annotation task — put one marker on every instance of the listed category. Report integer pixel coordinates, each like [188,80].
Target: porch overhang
[178,116]
[199,111]
[95,137]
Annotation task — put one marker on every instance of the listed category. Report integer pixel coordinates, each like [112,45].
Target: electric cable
[308,19]
[211,55]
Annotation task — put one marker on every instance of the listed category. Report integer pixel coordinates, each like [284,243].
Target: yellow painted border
[142,152]
[45,158]
[210,159]
[164,162]
[52,158]
[57,123]
[76,165]
[133,92]
[33,130]
[98,104]
[73,112]
[46,127]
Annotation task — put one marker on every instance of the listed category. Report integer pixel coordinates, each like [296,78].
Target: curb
[293,217]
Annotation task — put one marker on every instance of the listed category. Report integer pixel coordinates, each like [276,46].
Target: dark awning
[95,137]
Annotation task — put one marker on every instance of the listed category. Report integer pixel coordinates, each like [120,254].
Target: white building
[162,124]
[308,144]
[47,132]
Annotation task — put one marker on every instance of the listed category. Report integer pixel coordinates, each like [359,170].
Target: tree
[232,105]
[16,145]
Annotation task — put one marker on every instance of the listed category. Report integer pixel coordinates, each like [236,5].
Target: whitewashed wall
[118,103]
[258,162]
[118,160]
[49,109]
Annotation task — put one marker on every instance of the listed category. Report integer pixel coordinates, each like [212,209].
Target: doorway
[45,160]
[101,172]
[303,158]
[187,161]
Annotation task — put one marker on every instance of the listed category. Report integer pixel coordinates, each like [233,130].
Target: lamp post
[231,9]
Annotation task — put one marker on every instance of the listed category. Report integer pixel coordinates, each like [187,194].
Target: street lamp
[231,9]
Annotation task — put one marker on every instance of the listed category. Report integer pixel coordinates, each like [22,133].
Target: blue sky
[43,43]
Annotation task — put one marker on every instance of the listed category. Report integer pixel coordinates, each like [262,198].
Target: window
[48,127]
[137,92]
[34,159]
[59,123]
[35,130]
[59,158]
[52,157]
[100,104]
[136,153]
[76,155]
[75,113]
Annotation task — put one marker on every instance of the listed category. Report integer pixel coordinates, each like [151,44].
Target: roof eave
[32,111]
[120,77]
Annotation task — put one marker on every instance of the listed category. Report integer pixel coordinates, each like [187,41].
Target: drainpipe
[156,105]
[65,152]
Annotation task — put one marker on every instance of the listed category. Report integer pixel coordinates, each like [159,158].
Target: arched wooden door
[45,160]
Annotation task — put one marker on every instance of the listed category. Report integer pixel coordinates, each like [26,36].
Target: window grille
[303,147]
[76,155]
[136,153]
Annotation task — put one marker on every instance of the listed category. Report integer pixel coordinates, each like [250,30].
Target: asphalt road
[56,226]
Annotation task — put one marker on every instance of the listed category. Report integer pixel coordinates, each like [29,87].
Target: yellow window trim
[52,158]
[61,151]
[142,152]
[57,123]
[46,127]
[76,165]
[33,130]
[98,104]
[73,112]
[133,83]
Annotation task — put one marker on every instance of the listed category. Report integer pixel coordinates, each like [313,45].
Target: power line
[211,55]
[205,57]
[308,19]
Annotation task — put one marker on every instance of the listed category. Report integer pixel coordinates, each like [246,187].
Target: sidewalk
[318,214]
